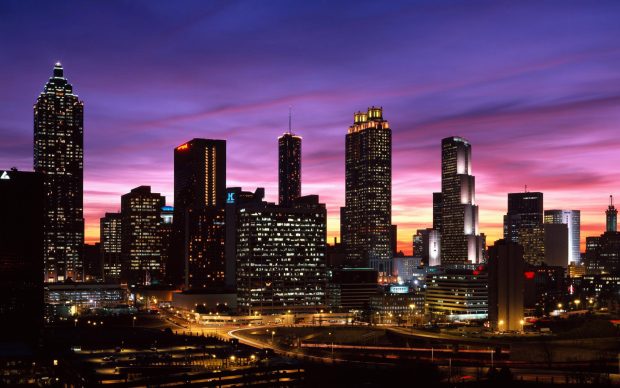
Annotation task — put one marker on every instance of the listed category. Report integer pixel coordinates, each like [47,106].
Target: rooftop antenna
[611,201]
[290,108]
[526,188]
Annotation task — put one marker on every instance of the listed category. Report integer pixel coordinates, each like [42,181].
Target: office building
[406,267]
[350,289]
[603,252]
[523,224]
[22,195]
[166,231]
[140,236]
[199,201]
[460,238]
[289,167]
[457,294]
[437,216]
[556,245]
[397,304]
[236,197]
[110,239]
[427,245]
[59,156]
[281,257]
[368,192]
[572,218]
[93,266]
[69,299]
[506,286]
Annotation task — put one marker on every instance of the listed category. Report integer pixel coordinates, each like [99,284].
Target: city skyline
[554,101]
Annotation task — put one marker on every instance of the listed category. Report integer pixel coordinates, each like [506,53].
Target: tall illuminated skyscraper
[289,167]
[368,192]
[198,258]
[460,239]
[59,156]
[572,218]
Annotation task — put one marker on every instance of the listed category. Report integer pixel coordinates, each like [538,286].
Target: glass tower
[460,241]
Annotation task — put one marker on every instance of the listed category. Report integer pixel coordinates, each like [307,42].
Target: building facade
[59,156]
[572,218]
[198,255]
[368,192]
[506,286]
[457,295]
[460,237]
[523,224]
[281,257]
[22,195]
[289,167]
[110,239]
[141,244]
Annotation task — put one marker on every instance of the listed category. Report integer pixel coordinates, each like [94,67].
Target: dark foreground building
[21,255]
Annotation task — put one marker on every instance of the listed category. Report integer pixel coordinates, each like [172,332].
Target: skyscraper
[140,236]
[368,192]
[572,218]
[523,224]
[199,201]
[59,156]
[110,238]
[437,205]
[289,166]
[611,216]
[460,239]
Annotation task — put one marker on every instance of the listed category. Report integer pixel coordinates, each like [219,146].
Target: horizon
[553,98]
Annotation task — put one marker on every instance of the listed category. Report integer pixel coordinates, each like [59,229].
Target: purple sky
[535,86]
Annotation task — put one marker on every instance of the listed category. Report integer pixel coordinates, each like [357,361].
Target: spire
[290,108]
[611,201]
[58,71]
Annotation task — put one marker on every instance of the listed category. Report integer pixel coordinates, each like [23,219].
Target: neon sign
[183,147]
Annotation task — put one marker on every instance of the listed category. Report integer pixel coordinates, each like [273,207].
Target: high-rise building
[166,230]
[235,198]
[93,266]
[523,224]
[506,285]
[428,246]
[289,166]
[460,238]
[22,195]
[572,218]
[368,192]
[140,236]
[556,245]
[110,239]
[59,156]
[281,256]
[611,216]
[437,205]
[603,252]
[199,201]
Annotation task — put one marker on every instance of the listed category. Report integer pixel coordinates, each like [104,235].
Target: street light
[559,306]
[521,322]
[332,338]
[411,308]
[500,324]
[577,301]
[133,321]
[273,332]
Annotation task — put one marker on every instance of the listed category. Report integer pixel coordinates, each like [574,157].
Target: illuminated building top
[373,118]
